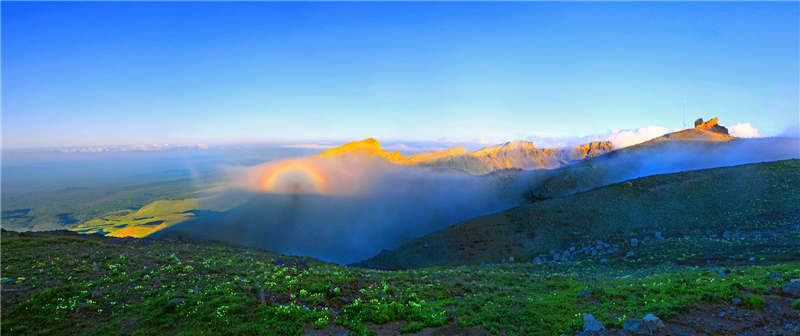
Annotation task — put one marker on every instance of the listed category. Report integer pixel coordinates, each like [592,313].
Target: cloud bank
[744,130]
[625,138]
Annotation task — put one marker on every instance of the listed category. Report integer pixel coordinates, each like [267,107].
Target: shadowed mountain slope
[743,198]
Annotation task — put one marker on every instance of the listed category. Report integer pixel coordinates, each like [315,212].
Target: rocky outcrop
[708,131]
[711,125]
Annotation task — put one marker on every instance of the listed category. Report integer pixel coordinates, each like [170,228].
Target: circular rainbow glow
[294,176]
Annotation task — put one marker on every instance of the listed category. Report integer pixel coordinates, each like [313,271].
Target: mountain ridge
[517,154]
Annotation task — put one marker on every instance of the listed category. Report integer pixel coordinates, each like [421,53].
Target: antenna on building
[684,113]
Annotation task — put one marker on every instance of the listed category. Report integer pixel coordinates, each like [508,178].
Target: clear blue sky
[129,73]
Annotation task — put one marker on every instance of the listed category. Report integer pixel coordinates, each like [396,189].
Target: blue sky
[129,73]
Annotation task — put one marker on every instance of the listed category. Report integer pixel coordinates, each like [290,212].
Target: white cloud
[308,146]
[625,138]
[743,130]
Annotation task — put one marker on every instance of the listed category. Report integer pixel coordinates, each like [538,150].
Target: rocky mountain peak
[711,125]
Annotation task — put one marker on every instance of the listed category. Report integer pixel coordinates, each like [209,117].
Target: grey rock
[653,321]
[792,288]
[736,301]
[634,242]
[647,325]
[635,326]
[176,300]
[591,324]
[658,235]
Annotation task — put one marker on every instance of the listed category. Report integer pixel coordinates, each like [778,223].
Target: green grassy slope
[744,201]
[61,283]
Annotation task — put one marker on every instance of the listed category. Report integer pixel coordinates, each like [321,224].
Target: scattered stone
[653,321]
[792,288]
[648,325]
[604,260]
[634,242]
[511,259]
[97,294]
[95,267]
[635,326]
[176,300]
[590,324]
[629,254]
[658,236]
[736,301]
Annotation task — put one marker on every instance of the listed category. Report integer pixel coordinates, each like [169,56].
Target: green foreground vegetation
[61,283]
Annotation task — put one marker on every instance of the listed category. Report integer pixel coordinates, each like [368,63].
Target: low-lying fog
[351,212]
[357,207]
[349,209]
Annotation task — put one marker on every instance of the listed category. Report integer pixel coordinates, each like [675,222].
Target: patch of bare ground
[776,319]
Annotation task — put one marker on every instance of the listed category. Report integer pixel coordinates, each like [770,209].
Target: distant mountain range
[616,194]
[510,155]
